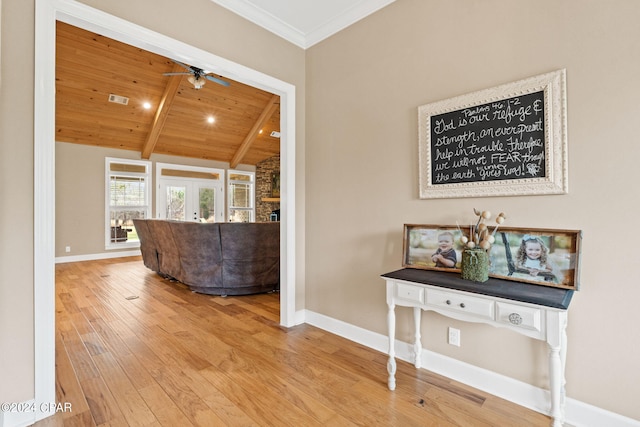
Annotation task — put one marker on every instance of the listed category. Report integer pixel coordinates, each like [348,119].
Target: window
[241,196]
[128,196]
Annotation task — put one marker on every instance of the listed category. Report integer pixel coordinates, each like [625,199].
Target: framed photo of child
[545,257]
[541,256]
[432,247]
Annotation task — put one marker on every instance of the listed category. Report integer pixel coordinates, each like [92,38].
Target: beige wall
[211,28]
[80,198]
[16,202]
[363,89]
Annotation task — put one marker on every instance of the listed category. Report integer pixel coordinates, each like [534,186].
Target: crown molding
[304,38]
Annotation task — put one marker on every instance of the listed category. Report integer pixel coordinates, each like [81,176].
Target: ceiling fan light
[197,82]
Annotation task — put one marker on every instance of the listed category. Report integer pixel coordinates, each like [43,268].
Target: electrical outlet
[454,336]
[67,249]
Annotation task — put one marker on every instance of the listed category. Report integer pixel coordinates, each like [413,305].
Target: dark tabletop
[517,291]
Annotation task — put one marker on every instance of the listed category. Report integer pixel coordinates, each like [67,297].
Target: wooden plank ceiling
[91,67]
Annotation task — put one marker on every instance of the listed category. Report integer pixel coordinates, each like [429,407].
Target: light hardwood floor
[133,349]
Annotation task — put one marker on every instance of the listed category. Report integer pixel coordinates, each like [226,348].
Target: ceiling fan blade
[217,80]
[176,74]
[185,66]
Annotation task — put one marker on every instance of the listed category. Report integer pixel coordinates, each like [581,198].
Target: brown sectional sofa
[217,258]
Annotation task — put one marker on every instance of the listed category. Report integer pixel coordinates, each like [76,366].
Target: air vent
[275,134]
[118,99]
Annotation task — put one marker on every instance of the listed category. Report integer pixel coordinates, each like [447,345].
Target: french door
[189,196]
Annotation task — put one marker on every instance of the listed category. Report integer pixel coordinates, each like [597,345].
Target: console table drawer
[517,315]
[479,307]
[410,293]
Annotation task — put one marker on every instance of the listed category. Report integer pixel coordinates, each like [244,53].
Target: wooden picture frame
[505,141]
[558,266]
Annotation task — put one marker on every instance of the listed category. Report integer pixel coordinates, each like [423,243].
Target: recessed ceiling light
[146,105]
[211,119]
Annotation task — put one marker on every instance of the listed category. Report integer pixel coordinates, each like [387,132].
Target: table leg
[563,363]
[557,360]
[391,365]
[555,383]
[417,345]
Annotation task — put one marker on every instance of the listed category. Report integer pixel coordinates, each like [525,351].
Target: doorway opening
[81,15]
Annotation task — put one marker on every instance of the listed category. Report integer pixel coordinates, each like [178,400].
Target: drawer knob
[462,305]
[515,318]
[448,302]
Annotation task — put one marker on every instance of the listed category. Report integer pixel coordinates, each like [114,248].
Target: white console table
[536,311]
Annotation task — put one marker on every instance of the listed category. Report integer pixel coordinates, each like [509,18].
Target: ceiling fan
[197,76]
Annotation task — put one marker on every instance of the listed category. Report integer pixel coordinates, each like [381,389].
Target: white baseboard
[577,413]
[91,257]
[25,417]
[298,318]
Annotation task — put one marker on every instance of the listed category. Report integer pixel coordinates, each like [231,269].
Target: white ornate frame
[555,121]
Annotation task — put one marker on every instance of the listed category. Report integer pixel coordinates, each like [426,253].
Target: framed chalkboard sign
[505,141]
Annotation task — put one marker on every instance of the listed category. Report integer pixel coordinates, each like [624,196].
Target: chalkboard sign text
[502,140]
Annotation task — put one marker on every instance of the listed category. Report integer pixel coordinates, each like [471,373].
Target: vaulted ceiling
[91,68]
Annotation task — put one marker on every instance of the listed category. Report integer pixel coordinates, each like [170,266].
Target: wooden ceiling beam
[161,113]
[268,111]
